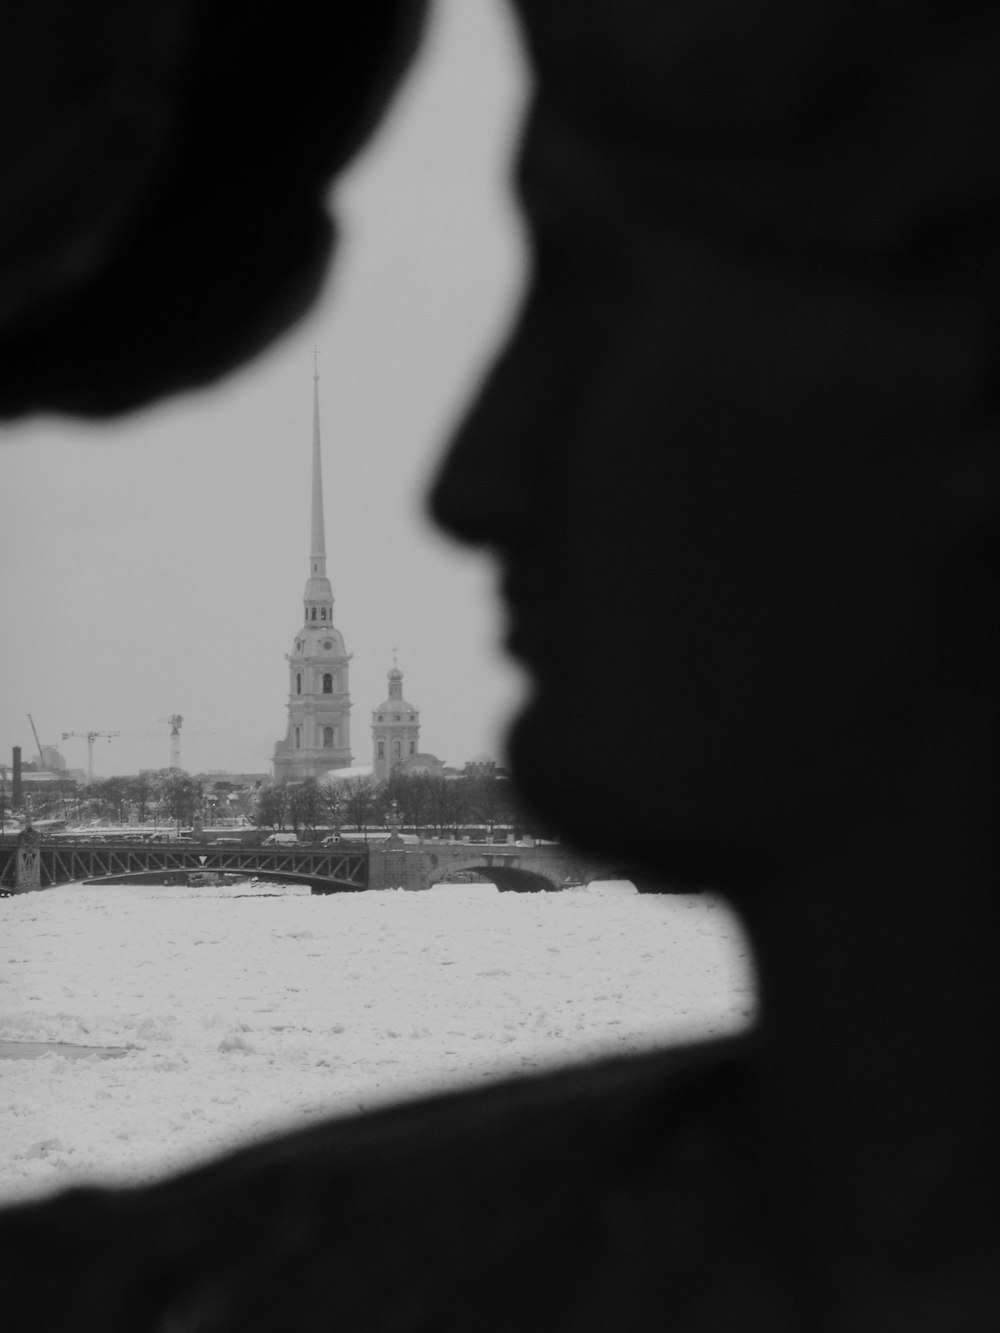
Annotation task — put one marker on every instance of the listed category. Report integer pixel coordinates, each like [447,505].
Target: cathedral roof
[346,774]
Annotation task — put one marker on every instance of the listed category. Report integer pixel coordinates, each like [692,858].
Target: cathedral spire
[318,596]
[317,543]
[318,738]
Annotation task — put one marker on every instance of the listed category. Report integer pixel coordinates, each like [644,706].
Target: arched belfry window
[322,613]
[313,617]
[397,749]
[328,738]
[327,683]
[298,682]
[298,738]
[381,749]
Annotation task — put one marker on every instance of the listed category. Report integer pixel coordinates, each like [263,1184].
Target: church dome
[396,704]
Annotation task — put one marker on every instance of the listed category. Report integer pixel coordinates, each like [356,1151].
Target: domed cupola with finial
[319,701]
[395,729]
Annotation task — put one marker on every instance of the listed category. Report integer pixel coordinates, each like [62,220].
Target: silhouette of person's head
[726,456]
[739,463]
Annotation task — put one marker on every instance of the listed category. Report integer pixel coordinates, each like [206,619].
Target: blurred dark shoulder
[578,1199]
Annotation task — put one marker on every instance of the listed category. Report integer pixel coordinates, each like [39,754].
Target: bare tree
[446,804]
[112,798]
[332,802]
[488,801]
[141,792]
[271,806]
[360,803]
[305,807]
[180,795]
[413,797]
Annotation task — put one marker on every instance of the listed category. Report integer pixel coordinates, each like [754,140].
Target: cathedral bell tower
[395,730]
[319,701]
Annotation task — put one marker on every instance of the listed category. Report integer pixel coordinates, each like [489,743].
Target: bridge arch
[180,877]
[508,879]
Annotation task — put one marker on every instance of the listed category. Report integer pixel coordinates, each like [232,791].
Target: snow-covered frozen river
[254,1007]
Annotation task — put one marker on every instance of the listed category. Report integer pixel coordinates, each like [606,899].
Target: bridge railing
[64,862]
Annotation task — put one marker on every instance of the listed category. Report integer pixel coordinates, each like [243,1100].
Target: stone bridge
[511,867]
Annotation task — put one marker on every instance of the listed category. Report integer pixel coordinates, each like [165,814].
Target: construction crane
[37,741]
[174,723]
[90,737]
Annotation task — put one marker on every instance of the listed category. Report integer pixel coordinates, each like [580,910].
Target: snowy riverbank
[249,1008]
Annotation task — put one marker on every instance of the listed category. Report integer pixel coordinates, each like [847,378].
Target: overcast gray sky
[155,565]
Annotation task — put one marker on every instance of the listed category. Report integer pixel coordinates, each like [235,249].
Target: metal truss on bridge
[326,869]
